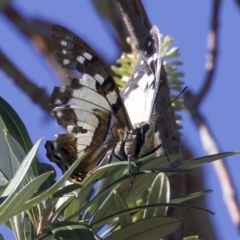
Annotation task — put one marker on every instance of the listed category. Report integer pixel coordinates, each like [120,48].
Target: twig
[238,2]
[212,55]
[192,104]
[35,93]
[136,20]
[38,33]
[211,147]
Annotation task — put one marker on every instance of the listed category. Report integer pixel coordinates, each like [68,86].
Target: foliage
[105,205]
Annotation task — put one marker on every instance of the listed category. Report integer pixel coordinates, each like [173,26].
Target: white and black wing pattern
[140,92]
[139,96]
[90,108]
[73,53]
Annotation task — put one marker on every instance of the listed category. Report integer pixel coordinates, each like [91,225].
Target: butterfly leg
[131,161]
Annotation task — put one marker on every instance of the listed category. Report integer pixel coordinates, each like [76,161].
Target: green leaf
[157,162]
[68,190]
[191,238]
[120,205]
[103,208]
[14,125]
[202,160]
[121,185]
[2,188]
[104,172]
[13,159]
[48,210]
[72,208]
[150,228]
[8,161]
[18,177]
[88,183]
[20,198]
[67,230]
[84,196]
[27,228]
[189,196]
[159,193]
[173,52]
[111,217]
[43,196]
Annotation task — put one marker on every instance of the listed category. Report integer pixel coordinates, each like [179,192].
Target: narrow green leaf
[72,208]
[3,187]
[157,162]
[62,205]
[17,225]
[192,238]
[202,160]
[15,126]
[16,157]
[150,228]
[68,190]
[141,182]
[109,218]
[159,193]
[120,205]
[84,196]
[43,196]
[7,199]
[8,161]
[104,171]
[10,190]
[173,52]
[3,178]
[103,208]
[18,177]
[123,188]
[68,230]
[189,196]
[48,210]
[27,228]
[13,206]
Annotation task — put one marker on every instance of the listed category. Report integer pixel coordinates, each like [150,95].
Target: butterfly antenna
[166,153]
[154,119]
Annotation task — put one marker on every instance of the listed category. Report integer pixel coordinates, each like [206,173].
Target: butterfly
[102,124]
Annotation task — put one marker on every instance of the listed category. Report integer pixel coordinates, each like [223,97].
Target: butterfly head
[138,140]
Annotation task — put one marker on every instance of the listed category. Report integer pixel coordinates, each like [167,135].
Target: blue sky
[188,23]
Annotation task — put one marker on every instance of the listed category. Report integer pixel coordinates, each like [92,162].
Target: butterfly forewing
[141,90]
[73,53]
[139,96]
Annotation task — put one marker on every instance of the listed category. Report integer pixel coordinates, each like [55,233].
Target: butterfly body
[102,125]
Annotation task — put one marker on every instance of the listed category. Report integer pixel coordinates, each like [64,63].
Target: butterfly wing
[140,92]
[139,97]
[73,53]
[90,108]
